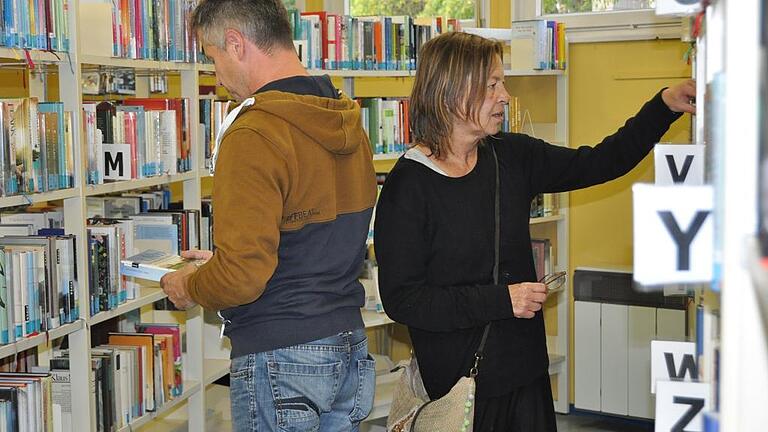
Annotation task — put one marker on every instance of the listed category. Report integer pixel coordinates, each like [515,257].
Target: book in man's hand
[152,264]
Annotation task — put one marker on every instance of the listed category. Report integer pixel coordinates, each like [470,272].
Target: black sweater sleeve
[402,248]
[558,169]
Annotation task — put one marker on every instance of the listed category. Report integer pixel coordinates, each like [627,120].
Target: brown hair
[450,83]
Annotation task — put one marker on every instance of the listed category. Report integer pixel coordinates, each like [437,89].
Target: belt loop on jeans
[347,340]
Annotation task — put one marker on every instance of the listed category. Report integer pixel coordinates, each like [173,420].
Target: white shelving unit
[729,80]
[744,335]
[70,66]
[558,345]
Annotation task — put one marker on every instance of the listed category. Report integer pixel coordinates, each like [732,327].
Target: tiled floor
[595,423]
[219,420]
[571,423]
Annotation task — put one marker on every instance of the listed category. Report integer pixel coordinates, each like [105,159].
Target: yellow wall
[608,83]
[13,83]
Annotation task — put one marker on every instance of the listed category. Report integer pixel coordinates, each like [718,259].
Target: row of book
[39,287]
[35,24]
[133,373]
[38,284]
[150,29]
[36,147]
[27,402]
[328,41]
[111,240]
[122,226]
[513,116]
[387,122]
[212,114]
[538,44]
[136,138]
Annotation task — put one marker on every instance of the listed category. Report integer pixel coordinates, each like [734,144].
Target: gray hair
[263,22]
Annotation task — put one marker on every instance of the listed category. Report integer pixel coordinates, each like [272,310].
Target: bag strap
[479,354]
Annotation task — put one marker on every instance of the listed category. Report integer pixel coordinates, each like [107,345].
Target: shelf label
[673,361]
[117,161]
[677,7]
[679,164]
[673,234]
[680,406]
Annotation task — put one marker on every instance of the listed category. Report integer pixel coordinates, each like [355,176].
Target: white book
[11,301]
[168,141]
[16,229]
[528,44]
[153,264]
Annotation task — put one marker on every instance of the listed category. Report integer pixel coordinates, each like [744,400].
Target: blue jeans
[324,385]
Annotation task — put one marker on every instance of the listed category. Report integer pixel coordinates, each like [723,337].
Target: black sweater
[434,246]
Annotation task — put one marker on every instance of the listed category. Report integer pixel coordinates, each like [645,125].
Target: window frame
[606,26]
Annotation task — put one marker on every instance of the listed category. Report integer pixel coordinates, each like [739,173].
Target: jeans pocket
[366,386]
[241,367]
[241,378]
[302,392]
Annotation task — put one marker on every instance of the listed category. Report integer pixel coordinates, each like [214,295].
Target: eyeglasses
[554,281]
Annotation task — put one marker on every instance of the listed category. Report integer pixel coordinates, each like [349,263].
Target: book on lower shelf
[152,264]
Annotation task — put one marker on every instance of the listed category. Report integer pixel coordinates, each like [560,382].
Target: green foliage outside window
[575,6]
[461,9]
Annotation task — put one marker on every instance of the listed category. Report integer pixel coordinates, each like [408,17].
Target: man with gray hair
[294,191]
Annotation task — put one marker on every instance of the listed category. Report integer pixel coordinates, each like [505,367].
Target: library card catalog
[680,406]
[679,164]
[673,234]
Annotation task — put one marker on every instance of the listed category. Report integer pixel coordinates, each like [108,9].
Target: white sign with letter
[680,406]
[673,361]
[679,164]
[117,161]
[673,234]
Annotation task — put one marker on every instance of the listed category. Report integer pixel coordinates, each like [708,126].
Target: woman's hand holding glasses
[528,297]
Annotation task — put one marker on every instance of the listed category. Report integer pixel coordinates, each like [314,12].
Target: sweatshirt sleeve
[558,169]
[402,252]
[251,181]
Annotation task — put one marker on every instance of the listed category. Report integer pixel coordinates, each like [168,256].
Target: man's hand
[174,284]
[681,97]
[197,254]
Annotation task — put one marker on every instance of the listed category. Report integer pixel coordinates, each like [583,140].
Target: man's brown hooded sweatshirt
[293,196]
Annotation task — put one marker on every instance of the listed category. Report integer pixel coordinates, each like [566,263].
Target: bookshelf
[730,71]
[734,54]
[70,67]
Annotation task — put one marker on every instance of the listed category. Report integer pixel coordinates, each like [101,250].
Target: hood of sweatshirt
[334,124]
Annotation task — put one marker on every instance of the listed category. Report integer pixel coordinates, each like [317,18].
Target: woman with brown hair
[436,218]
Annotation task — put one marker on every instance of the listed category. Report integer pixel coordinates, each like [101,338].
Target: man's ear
[234,42]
